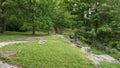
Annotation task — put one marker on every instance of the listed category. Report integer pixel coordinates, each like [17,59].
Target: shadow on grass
[9,33]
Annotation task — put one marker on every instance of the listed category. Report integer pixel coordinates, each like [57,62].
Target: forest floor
[56,52]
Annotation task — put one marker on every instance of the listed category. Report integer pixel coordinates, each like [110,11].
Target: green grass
[109,65]
[8,35]
[56,53]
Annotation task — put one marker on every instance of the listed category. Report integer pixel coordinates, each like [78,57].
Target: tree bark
[0,27]
[32,17]
[3,26]
[33,29]
[57,30]
[3,22]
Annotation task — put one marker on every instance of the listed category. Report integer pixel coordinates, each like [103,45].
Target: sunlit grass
[56,53]
[109,65]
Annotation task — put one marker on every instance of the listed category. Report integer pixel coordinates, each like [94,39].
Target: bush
[68,32]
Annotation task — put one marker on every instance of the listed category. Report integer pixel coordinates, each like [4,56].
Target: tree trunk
[3,26]
[58,30]
[75,38]
[3,22]
[33,29]
[0,27]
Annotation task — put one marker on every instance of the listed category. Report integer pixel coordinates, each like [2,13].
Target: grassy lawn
[109,65]
[56,53]
[17,35]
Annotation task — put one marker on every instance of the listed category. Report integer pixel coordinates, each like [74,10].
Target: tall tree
[2,21]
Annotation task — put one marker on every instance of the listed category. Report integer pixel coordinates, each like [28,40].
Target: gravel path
[6,65]
[9,43]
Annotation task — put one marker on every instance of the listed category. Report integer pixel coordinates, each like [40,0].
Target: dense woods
[95,22]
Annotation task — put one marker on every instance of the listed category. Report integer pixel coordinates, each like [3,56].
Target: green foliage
[68,32]
[104,29]
[95,21]
[33,12]
[26,27]
[46,24]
